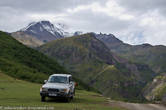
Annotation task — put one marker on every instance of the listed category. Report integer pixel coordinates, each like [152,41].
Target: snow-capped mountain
[44,31]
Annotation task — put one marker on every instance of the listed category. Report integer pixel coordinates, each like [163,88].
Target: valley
[91,61]
[98,62]
[82,55]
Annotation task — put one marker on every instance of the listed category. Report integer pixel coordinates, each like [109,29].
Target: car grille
[53,90]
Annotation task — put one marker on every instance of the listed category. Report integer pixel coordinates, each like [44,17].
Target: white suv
[58,85]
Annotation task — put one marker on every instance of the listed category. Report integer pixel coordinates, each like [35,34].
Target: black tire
[67,99]
[72,97]
[43,98]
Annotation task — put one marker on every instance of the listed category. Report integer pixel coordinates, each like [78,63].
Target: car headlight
[64,90]
[43,89]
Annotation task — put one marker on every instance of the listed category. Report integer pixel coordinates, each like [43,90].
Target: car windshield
[57,79]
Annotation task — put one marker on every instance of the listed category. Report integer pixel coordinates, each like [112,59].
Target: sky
[132,21]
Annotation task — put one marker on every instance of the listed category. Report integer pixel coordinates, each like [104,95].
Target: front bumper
[54,94]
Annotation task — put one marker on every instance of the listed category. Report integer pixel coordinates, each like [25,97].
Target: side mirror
[45,81]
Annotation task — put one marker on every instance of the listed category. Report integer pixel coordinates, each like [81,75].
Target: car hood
[55,85]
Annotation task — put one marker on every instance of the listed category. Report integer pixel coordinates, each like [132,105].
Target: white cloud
[133,22]
[110,8]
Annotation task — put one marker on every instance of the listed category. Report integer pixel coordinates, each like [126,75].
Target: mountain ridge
[145,53]
[90,60]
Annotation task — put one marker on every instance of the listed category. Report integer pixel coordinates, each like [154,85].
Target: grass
[25,63]
[18,93]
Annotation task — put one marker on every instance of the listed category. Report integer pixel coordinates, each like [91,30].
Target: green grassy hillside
[18,93]
[25,63]
[21,62]
[93,63]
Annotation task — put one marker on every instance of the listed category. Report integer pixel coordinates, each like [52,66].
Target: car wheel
[67,99]
[72,97]
[43,98]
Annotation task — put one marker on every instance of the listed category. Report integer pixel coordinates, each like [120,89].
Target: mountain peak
[110,38]
[43,30]
[29,25]
[40,26]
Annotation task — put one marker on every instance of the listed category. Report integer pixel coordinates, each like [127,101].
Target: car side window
[70,79]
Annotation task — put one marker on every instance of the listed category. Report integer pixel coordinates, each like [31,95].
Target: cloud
[134,22]
[143,6]
[93,18]
[150,21]
[17,13]
[44,6]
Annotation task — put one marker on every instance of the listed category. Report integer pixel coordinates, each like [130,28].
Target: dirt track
[135,106]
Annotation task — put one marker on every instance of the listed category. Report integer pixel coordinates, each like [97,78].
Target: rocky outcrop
[27,39]
[156,90]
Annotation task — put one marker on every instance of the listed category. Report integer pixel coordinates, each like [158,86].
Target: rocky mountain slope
[110,40]
[156,90]
[154,56]
[93,63]
[27,39]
